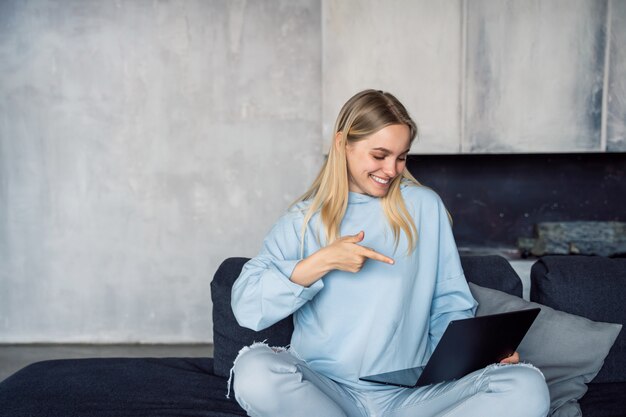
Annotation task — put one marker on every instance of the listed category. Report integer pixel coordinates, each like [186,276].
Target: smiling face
[375,161]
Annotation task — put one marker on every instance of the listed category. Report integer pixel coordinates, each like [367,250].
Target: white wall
[141,143]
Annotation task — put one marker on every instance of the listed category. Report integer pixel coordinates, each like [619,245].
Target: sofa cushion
[112,387]
[229,337]
[568,349]
[604,400]
[589,286]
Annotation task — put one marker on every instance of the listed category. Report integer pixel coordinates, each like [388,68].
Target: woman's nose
[390,169]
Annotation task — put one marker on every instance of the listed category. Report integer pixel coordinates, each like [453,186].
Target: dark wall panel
[494,199]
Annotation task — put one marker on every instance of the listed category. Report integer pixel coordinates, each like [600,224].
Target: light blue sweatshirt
[381,319]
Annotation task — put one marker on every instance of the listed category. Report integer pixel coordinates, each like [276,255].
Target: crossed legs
[276,384]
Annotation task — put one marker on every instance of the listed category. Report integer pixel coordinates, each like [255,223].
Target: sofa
[575,286]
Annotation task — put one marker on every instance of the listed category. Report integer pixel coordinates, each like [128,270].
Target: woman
[367,263]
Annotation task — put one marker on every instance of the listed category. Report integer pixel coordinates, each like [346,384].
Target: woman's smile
[380,180]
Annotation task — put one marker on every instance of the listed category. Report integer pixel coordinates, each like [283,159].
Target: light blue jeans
[275,384]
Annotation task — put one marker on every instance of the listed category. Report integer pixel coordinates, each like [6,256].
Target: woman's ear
[338,137]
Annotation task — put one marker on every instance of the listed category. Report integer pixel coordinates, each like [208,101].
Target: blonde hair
[363,115]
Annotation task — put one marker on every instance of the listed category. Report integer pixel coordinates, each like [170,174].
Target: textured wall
[616,103]
[411,48]
[485,76]
[535,73]
[141,142]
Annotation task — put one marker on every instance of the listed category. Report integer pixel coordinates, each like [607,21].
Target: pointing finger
[372,254]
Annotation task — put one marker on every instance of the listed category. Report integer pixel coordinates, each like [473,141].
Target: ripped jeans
[274,383]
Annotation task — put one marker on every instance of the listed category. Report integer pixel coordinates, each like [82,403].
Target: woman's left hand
[513,359]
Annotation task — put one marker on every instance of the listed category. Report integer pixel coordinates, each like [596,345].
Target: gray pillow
[569,349]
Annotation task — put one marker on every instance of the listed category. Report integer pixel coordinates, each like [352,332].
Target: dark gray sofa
[181,387]
[592,287]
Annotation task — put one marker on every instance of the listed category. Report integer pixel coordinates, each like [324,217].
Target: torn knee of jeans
[255,345]
[521,364]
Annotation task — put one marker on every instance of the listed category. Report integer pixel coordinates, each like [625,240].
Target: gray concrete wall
[535,73]
[141,143]
[412,48]
[615,111]
[485,76]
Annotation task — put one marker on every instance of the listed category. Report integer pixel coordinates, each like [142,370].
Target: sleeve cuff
[286,269]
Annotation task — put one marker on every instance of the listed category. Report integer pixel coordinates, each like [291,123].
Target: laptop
[466,346]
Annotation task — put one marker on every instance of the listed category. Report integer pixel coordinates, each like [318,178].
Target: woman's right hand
[344,254]
[347,255]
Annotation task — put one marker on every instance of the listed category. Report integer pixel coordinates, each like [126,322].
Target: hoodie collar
[357,198]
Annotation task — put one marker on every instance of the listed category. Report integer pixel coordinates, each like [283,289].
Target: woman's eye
[380,158]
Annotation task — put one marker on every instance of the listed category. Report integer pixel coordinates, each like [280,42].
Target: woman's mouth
[379,180]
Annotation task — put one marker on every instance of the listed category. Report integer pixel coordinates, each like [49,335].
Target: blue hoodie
[381,319]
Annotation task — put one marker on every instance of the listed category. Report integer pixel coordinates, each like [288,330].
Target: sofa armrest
[492,271]
[228,336]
